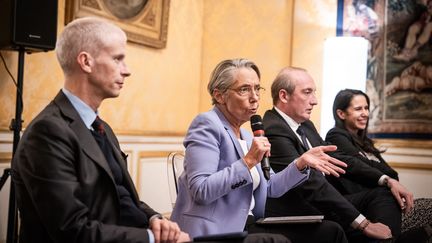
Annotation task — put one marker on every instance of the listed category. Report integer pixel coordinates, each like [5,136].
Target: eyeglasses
[247,90]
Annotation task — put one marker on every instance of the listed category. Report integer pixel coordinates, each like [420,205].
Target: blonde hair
[222,76]
[87,34]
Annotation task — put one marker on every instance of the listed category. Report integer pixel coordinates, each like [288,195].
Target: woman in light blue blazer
[222,188]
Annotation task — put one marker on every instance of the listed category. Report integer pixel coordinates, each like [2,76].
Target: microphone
[258,131]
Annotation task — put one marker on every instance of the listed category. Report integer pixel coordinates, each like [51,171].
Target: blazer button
[233,187]
[237,185]
[244,181]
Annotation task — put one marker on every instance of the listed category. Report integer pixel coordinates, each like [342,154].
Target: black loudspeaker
[28,24]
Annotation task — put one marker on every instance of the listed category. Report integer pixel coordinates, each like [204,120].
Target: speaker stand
[16,126]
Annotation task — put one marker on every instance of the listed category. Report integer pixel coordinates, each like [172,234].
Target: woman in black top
[351,114]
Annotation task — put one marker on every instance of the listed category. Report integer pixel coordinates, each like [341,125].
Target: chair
[174,170]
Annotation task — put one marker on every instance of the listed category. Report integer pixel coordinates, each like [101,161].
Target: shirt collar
[85,112]
[293,124]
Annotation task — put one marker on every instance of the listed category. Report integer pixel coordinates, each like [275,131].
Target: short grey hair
[84,34]
[222,77]
[284,80]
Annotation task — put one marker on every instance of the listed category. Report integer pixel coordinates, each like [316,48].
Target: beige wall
[168,86]
[314,22]
[251,29]
[161,97]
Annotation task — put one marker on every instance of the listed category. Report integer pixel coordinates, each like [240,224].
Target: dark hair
[342,102]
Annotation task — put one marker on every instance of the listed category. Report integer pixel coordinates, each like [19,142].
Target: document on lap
[291,219]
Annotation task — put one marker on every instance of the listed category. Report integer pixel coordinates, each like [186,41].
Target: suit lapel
[88,143]
[121,159]
[311,134]
[287,129]
[309,137]
[117,152]
[228,128]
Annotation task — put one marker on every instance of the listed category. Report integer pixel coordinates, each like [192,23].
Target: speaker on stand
[26,26]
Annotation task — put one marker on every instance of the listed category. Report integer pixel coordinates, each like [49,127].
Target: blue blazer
[215,189]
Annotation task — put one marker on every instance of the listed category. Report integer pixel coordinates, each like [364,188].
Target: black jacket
[314,196]
[64,186]
[345,143]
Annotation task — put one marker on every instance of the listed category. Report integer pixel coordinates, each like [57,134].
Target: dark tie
[300,131]
[130,214]
[98,126]
[104,144]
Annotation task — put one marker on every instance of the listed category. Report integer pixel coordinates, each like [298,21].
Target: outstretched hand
[317,158]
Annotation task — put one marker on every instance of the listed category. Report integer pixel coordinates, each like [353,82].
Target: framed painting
[399,66]
[144,21]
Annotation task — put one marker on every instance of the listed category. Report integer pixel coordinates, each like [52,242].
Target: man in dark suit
[293,93]
[71,177]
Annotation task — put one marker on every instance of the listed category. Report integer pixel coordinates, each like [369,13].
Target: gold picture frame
[144,21]
[402,144]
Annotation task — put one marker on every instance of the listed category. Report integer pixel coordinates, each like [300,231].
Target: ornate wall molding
[144,21]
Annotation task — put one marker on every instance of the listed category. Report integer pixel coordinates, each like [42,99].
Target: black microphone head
[256,123]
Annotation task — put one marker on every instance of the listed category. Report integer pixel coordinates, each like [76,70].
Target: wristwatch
[156,216]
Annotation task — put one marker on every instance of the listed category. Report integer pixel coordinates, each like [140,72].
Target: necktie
[130,214]
[98,126]
[302,134]
[104,144]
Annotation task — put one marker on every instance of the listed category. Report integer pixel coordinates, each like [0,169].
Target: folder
[291,219]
